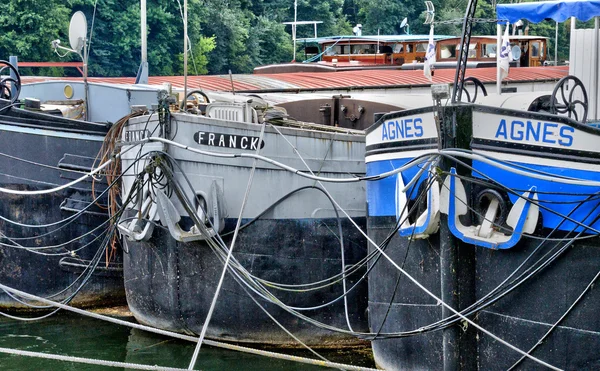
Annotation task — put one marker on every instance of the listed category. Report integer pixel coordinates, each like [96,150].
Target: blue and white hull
[516,252]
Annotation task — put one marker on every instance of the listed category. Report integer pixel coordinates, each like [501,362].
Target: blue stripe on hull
[561,198]
[381,193]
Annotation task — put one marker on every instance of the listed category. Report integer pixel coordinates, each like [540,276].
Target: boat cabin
[401,49]
[372,50]
[528,51]
[342,53]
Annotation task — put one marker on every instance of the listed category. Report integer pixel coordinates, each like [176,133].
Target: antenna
[404,24]
[78,42]
[77,31]
[429,13]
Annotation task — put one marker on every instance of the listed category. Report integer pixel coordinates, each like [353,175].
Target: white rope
[64,186]
[439,300]
[228,259]
[56,189]
[470,155]
[213,343]
[286,167]
[89,361]
[530,174]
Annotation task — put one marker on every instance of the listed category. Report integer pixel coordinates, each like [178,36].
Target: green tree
[271,43]
[198,58]
[27,28]
[115,37]
[228,24]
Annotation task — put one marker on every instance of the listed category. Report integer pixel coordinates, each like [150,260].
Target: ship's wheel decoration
[194,98]
[7,82]
[569,98]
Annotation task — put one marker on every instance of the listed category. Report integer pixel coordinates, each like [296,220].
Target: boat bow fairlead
[428,222]
[522,217]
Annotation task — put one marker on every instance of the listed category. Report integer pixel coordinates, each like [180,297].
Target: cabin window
[472,50]
[535,49]
[422,47]
[364,49]
[448,51]
[488,51]
[335,50]
[399,48]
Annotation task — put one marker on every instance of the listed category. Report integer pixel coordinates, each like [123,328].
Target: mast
[142,76]
[498,48]
[185,51]
[294,27]
[465,40]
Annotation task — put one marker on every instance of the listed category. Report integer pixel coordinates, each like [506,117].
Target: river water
[73,335]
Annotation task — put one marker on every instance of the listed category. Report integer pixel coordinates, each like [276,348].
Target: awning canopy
[558,11]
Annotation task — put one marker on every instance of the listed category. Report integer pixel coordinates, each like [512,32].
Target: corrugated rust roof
[308,81]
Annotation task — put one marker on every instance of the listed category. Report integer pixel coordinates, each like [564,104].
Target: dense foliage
[225,35]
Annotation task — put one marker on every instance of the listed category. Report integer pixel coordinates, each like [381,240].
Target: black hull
[52,147]
[47,275]
[526,314]
[553,305]
[170,285]
[522,317]
[409,308]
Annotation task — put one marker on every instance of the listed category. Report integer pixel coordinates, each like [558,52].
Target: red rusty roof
[309,81]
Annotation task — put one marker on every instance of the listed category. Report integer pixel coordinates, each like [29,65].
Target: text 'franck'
[228,140]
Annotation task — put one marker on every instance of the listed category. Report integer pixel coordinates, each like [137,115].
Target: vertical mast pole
[87,115]
[555,46]
[294,26]
[595,66]
[459,77]
[185,51]
[498,48]
[144,31]
[142,76]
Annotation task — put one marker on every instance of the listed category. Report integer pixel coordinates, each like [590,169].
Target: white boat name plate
[506,128]
[402,129]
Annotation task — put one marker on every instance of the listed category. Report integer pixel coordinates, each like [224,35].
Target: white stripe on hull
[51,133]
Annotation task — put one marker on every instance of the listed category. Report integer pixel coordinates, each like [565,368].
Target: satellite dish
[77,31]
[403,23]
[516,52]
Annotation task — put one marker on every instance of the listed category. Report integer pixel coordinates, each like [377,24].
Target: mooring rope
[229,253]
[435,297]
[341,234]
[89,361]
[194,339]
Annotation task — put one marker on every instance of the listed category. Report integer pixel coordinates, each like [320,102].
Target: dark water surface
[73,335]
